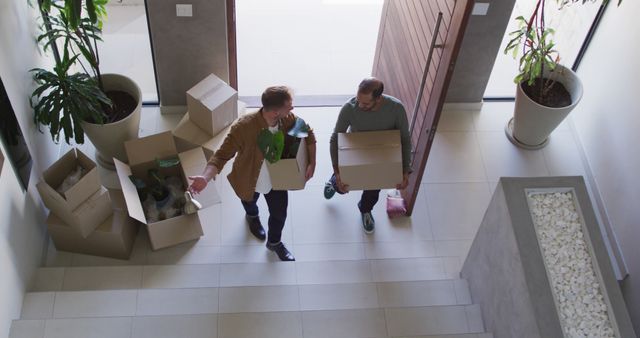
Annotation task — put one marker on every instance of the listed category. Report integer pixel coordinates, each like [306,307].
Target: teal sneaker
[329,191]
[368,223]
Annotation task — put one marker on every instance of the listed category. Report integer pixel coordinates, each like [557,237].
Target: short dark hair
[372,86]
[275,97]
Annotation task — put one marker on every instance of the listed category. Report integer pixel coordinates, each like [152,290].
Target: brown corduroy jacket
[242,140]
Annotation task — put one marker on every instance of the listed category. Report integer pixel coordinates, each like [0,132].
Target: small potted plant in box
[546,90]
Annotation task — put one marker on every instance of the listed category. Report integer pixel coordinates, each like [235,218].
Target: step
[438,321]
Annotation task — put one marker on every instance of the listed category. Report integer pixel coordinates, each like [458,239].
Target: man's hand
[405,182]
[311,168]
[341,186]
[200,181]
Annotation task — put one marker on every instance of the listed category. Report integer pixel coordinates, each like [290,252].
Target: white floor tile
[493,116]
[456,248]
[562,155]
[317,220]
[418,293]
[333,272]
[259,299]
[411,249]
[102,278]
[452,266]
[38,305]
[191,326]
[456,210]
[48,279]
[344,323]
[187,253]
[426,320]
[27,329]
[409,269]
[417,227]
[456,120]
[78,304]
[155,302]
[180,276]
[249,254]
[501,158]
[338,296]
[257,274]
[211,221]
[329,252]
[263,325]
[89,328]
[465,166]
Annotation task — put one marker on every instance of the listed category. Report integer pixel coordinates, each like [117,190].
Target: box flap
[149,148]
[58,171]
[211,91]
[369,139]
[193,162]
[174,231]
[189,131]
[134,205]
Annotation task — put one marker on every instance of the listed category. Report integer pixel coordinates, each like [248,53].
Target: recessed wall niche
[17,152]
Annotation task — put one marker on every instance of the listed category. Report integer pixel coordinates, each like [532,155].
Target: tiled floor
[400,281]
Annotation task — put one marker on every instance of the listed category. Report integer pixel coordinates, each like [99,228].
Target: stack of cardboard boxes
[85,218]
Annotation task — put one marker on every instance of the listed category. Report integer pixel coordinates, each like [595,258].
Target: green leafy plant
[64,100]
[271,144]
[533,40]
[157,187]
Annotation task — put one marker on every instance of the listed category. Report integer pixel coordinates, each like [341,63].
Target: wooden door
[406,34]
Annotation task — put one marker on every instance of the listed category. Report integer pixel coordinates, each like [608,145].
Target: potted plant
[109,119]
[546,90]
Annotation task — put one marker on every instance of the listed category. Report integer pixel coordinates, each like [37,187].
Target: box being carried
[288,172]
[113,238]
[83,203]
[370,160]
[143,155]
[212,104]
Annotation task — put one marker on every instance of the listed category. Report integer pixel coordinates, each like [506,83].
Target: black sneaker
[255,226]
[368,223]
[329,191]
[281,251]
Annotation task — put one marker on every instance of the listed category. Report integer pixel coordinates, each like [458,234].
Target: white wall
[21,213]
[608,125]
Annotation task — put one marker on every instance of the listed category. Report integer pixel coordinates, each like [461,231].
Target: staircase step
[437,321]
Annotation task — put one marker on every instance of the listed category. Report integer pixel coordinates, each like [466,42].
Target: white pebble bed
[581,306]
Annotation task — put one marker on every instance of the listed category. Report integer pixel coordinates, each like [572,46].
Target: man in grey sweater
[370,110]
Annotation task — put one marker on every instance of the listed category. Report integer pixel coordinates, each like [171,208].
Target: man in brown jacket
[249,177]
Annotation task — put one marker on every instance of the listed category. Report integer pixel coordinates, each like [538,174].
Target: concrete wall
[187,49]
[607,122]
[478,52]
[22,232]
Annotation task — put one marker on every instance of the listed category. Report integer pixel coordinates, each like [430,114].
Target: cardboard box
[113,238]
[142,154]
[189,135]
[86,204]
[212,104]
[288,174]
[370,160]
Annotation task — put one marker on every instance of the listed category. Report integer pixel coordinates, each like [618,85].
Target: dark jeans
[277,201]
[368,199]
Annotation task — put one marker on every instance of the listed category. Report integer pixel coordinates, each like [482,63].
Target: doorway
[321,49]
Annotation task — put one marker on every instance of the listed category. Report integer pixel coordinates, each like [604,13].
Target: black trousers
[368,199]
[277,201]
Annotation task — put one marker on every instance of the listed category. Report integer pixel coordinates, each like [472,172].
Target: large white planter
[532,122]
[109,138]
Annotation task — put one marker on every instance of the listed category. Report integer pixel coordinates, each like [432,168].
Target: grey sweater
[390,115]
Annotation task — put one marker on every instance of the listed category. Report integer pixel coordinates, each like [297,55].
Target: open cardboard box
[86,204]
[212,104]
[370,160]
[288,173]
[113,238]
[142,154]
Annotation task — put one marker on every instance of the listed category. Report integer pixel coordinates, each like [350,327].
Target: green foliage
[168,163]
[534,41]
[64,100]
[271,144]
[158,185]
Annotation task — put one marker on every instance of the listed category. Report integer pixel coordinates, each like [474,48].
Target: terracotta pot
[532,122]
[109,138]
